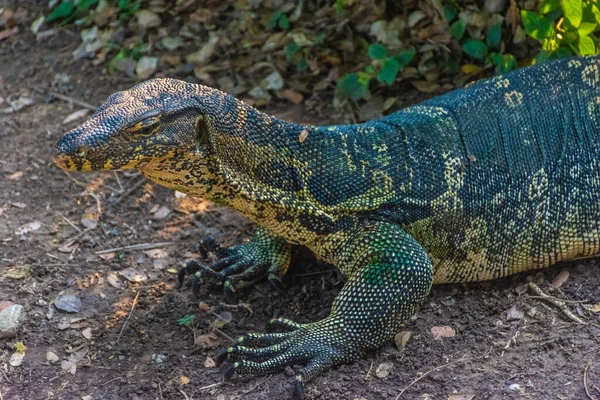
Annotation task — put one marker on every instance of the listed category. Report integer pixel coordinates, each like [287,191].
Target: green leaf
[450,11]
[389,71]
[405,57]
[504,62]
[475,48]
[187,320]
[369,69]
[291,50]
[549,5]
[284,22]
[272,23]
[573,11]
[494,35]
[457,29]
[61,11]
[354,85]
[586,46]
[585,28]
[536,25]
[377,51]
[85,5]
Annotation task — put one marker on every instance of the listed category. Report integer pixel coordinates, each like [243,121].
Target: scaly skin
[483,182]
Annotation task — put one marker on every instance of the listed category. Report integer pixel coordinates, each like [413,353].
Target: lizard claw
[318,346]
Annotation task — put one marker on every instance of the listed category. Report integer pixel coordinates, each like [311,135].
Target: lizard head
[149,126]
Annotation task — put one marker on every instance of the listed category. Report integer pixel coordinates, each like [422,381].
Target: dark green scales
[497,178]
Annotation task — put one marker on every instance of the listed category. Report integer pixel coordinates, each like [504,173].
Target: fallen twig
[112,380]
[557,303]
[129,191]
[587,391]
[129,316]
[184,395]
[143,246]
[72,100]
[70,223]
[432,370]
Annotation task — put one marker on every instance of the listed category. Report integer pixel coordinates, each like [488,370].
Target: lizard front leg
[389,276]
[240,266]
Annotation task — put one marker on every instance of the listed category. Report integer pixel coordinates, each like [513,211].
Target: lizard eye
[145,127]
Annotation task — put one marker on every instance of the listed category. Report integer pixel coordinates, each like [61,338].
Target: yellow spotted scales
[500,177]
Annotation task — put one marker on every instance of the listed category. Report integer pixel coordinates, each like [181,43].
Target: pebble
[148,19]
[161,358]
[51,357]
[146,67]
[10,320]
[514,386]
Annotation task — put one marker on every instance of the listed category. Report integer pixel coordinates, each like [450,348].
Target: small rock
[10,320]
[514,386]
[68,302]
[560,279]
[161,358]
[160,264]
[172,43]
[289,371]
[147,19]
[273,81]
[51,357]
[162,212]
[16,358]
[126,66]
[5,303]
[41,302]
[203,56]
[146,67]
[383,370]
[494,6]
[531,312]
[87,333]
[513,314]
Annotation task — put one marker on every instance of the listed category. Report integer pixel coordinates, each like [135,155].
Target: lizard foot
[317,346]
[239,266]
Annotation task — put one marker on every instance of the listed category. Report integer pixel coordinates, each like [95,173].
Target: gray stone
[9,320]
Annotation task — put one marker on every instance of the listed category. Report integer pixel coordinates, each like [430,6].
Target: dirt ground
[143,352]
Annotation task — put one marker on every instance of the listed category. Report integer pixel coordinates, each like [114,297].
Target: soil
[142,351]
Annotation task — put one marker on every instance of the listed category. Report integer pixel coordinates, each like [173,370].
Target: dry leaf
[383,370]
[207,341]
[76,115]
[209,363]
[471,69]
[204,307]
[461,397]
[156,253]
[184,380]
[303,136]
[595,308]
[68,247]
[89,219]
[560,279]
[114,281]
[133,274]
[18,204]
[108,256]
[18,272]
[401,339]
[15,176]
[291,95]
[440,332]
[425,86]
[512,16]
[24,229]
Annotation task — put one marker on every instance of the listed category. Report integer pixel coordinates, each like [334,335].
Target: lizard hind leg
[390,275]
